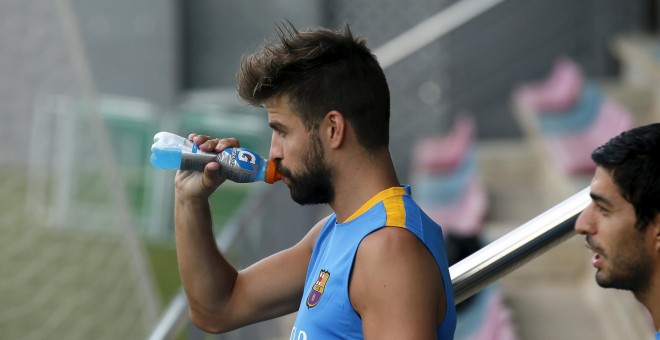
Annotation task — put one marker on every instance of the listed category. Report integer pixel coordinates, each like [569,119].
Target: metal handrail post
[517,247]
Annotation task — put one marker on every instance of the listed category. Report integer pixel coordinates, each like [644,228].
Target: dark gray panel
[217,33]
[132,47]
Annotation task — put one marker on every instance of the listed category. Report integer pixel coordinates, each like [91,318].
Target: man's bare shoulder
[390,243]
[397,256]
[395,277]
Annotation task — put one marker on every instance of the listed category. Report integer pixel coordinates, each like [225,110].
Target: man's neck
[651,300]
[357,182]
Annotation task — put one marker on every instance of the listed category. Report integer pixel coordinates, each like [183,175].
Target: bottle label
[194,159]
[238,165]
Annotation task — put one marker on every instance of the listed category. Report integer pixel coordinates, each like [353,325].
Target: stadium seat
[560,90]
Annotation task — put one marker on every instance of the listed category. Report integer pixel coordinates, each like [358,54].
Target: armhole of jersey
[350,272]
[442,277]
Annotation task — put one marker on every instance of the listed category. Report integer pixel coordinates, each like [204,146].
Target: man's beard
[314,184]
[629,270]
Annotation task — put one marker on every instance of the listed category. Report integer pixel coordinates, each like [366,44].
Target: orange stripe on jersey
[391,193]
[396,212]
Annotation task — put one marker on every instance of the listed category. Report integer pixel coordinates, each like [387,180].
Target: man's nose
[275,147]
[584,223]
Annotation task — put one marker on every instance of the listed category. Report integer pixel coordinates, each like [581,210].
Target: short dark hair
[633,160]
[321,70]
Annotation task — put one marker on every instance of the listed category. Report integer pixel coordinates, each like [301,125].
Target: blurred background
[496,106]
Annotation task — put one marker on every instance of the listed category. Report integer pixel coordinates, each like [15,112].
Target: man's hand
[200,185]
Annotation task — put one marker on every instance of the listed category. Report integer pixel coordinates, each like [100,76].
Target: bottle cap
[272,175]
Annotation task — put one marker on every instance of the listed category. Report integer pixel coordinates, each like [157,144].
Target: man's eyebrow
[600,199]
[276,126]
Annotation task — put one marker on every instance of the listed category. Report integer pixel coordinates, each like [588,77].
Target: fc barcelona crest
[317,290]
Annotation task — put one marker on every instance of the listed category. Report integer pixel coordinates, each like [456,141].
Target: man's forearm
[207,277]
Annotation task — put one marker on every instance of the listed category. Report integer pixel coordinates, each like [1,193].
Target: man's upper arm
[396,287]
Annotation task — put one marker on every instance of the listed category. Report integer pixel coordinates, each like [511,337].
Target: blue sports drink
[173,152]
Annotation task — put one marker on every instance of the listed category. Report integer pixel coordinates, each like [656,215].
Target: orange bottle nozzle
[272,175]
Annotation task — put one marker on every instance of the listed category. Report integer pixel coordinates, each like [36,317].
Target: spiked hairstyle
[319,71]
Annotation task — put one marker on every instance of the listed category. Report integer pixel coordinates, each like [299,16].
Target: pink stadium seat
[465,216]
[559,91]
[444,153]
[573,151]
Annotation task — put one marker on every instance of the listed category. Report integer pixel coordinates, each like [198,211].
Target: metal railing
[431,30]
[516,248]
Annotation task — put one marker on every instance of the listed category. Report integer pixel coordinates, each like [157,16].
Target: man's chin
[603,283]
[606,282]
[307,201]
[602,278]
[310,199]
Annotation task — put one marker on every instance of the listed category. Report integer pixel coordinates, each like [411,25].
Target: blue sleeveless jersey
[325,309]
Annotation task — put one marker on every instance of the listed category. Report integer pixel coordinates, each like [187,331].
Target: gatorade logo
[246,156]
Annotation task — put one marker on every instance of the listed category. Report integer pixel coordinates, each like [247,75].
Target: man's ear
[334,127]
[655,226]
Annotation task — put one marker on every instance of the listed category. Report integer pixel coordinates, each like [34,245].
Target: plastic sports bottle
[173,152]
